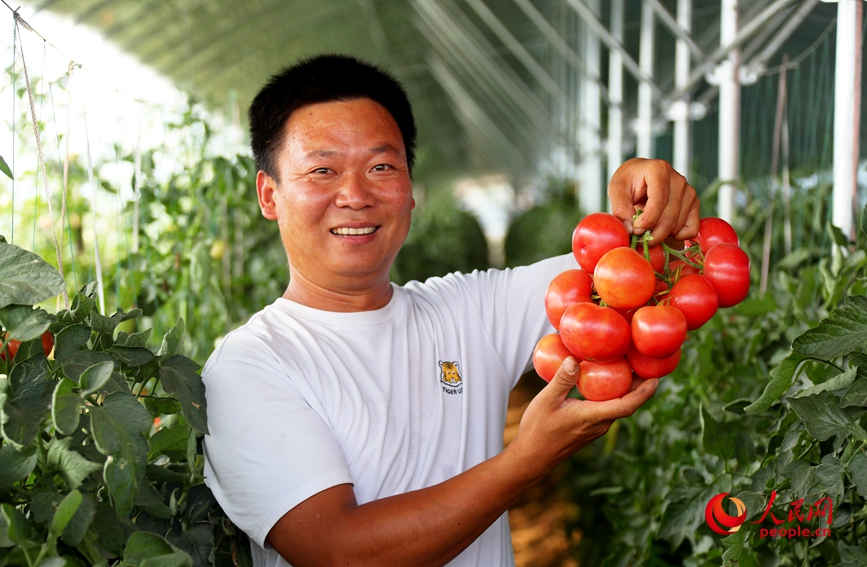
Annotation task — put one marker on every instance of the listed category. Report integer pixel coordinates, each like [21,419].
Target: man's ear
[266,189]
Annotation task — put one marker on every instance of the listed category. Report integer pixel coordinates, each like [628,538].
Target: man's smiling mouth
[354,231]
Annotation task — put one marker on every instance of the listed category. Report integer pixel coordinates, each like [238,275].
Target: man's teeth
[353,231]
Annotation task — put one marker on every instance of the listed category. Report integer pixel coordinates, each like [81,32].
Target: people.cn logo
[717,518]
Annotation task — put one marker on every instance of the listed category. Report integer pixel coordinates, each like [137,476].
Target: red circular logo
[716,516]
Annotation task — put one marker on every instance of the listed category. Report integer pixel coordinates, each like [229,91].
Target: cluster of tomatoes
[629,307]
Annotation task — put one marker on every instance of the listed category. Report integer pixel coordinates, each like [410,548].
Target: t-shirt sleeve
[511,303]
[267,450]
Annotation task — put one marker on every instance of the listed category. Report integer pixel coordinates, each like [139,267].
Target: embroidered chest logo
[450,378]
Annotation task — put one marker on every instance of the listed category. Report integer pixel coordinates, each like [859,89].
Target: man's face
[343,196]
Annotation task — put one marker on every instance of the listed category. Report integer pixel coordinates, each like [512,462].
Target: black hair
[323,78]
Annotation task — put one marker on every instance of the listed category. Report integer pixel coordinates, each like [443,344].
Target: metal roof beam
[603,33]
[757,63]
[678,30]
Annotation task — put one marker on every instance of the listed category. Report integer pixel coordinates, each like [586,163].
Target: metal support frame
[677,27]
[590,144]
[847,114]
[682,143]
[615,91]
[728,76]
[644,126]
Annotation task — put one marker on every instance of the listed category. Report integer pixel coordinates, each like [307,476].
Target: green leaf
[168,439]
[162,406]
[83,303]
[24,405]
[137,339]
[15,464]
[18,528]
[103,324]
[179,376]
[173,340]
[782,378]
[95,377]
[684,513]
[822,415]
[852,555]
[197,542]
[80,522]
[717,439]
[26,278]
[842,380]
[131,356]
[69,464]
[117,430]
[144,546]
[134,313]
[858,470]
[844,331]
[112,530]
[4,167]
[23,322]
[733,545]
[829,477]
[65,511]
[65,407]
[856,395]
[69,340]
[150,501]
[75,365]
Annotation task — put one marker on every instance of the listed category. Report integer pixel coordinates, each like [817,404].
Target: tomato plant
[602,381]
[727,267]
[592,332]
[658,330]
[549,354]
[696,298]
[624,279]
[595,235]
[567,288]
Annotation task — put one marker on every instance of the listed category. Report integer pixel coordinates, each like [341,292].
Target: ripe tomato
[696,298]
[727,267]
[713,231]
[624,279]
[601,381]
[650,367]
[658,330]
[571,286]
[595,235]
[549,354]
[678,268]
[591,332]
[657,256]
[13,344]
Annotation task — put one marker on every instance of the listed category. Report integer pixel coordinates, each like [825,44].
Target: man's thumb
[565,378]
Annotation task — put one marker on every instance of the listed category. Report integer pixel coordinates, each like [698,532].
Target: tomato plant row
[630,305]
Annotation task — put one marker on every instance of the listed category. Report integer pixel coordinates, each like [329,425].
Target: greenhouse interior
[691,392]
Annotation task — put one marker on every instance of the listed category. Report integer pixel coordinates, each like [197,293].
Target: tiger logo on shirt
[450,377]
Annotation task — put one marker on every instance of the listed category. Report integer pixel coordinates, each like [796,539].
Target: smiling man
[356,422]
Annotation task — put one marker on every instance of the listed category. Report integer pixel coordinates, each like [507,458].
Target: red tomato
[658,330]
[595,235]
[650,367]
[657,256]
[13,344]
[591,332]
[549,354]
[696,298]
[569,287]
[678,268]
[601,381]
[624,279]
[727,267]
[713,231]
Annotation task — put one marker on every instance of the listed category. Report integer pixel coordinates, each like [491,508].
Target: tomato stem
[680,256]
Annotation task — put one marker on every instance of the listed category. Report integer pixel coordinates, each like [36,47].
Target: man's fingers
[621,407]
[691,223]
[621,198]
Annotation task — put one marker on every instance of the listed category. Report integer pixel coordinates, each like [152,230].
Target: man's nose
[355,191]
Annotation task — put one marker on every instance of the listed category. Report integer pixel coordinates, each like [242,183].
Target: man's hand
[555,426]
[669,203]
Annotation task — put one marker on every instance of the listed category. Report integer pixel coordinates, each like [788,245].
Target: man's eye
[321,170]
[381,167]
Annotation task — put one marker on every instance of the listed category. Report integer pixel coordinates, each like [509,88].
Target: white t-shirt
[391,400]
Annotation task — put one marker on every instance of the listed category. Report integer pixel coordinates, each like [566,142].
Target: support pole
[847,114]
[644,128]
[615,91]
[682,122]
[589,141]
[729,111]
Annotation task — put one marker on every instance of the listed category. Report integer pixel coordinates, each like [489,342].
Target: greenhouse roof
[492,89]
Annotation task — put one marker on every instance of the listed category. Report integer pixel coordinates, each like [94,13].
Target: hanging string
[96,257]
[36,200]
[41,155]
[14,90]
